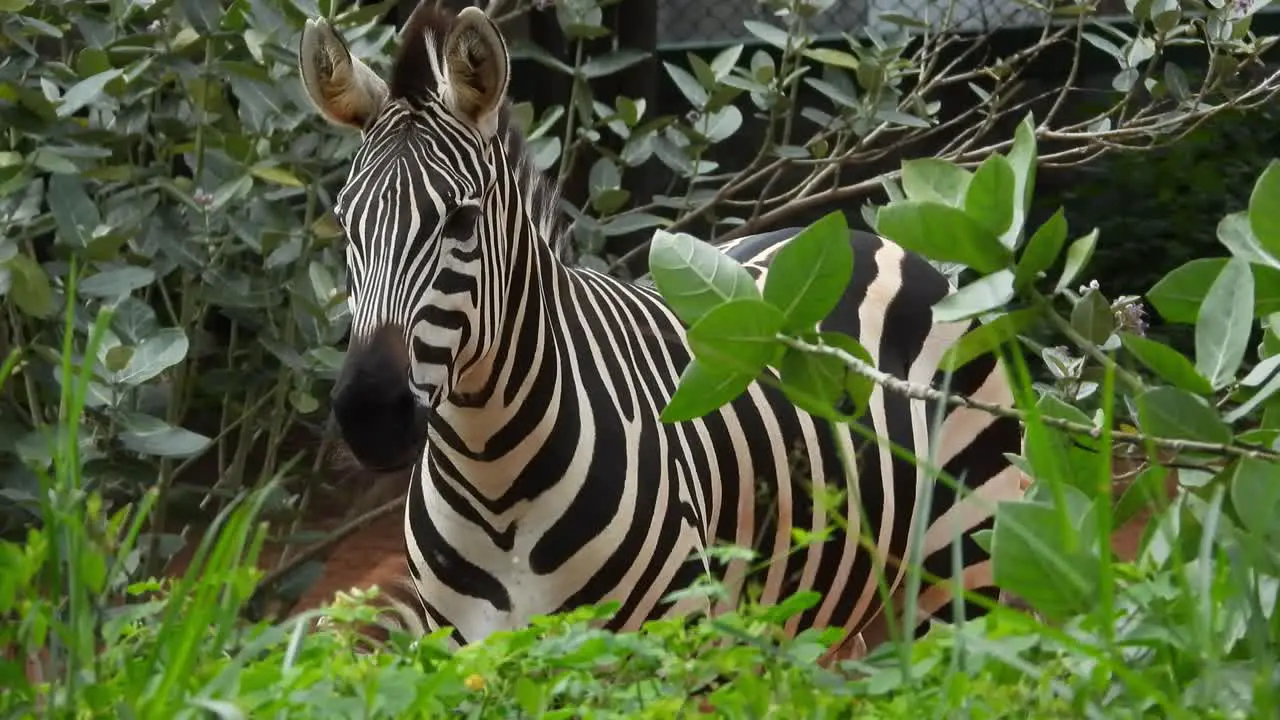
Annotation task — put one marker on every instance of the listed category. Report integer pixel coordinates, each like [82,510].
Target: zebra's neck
[520,386]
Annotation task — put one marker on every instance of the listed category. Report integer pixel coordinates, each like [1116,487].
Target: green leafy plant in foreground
[1191,627]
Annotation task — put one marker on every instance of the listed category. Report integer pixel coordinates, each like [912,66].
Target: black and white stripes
[528,392]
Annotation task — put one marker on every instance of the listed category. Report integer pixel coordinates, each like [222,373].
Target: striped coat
[526,393]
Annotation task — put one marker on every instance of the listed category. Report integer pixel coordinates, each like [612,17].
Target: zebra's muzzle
[380,418]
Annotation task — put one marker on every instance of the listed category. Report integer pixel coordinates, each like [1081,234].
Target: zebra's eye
[461,221]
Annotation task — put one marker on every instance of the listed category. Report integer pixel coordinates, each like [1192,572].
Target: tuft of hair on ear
[412,77]
[477,67]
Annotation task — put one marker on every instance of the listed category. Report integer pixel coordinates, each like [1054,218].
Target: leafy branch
[917,391]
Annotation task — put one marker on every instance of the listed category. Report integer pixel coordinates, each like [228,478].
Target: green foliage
[1053,548]
[173,289]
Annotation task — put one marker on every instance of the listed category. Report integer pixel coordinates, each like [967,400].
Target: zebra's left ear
[477,66]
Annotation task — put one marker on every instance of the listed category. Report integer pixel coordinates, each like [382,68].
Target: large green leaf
[703,390]
[739,336]
[29,286]
[1092,317]
[1178,295]
[149,435]
[1236,235]
[986,338]
[1263,394]
[937,180]
[990,198]
[1264,209]
[1255,494]
[74,212]
[1042,250]
[980,296]
[1169,364]
[116,281]
[694,276]
[152,356]
[1222,328]
[1175,413]
[1039,554]
[1022,159]
[809,274]
[85,92]
[942,233]
[1078,255]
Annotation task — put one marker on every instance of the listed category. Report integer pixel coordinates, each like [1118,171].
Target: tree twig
[333,538]
[916,391]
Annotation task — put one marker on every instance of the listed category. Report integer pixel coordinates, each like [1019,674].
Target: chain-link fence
[714,22]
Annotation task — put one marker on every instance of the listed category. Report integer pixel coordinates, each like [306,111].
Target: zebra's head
[414,212]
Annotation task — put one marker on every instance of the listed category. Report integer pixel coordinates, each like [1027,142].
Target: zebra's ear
[343,89]
[477,66]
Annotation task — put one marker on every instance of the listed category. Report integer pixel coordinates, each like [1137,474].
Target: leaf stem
[917,391]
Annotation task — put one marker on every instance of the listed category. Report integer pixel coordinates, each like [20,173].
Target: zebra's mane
[412,79]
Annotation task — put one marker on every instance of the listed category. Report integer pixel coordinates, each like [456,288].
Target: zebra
[524,392]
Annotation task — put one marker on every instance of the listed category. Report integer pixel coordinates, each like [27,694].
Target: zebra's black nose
[379,417]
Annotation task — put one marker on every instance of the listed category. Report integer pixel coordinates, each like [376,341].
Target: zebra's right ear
[343,89]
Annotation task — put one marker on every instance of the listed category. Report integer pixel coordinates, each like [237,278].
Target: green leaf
[1078,256]
[1222,328]
[937,180]
[602,65]
[688,85]
[1170,412]
[85,92]
[1255,495]
[116,281]
[771,34]
[831,56]
[942,233]
[29,286]
[737,336]
[1022,160]
[117,358]
[1261,372]
[1264,393]
[694,276]
[1237,236]
[808,276]
[986,338]
[1264,209]
[823,385]
[203,16]
[1178,295]
[276,174]
[703,390]
[1042,251]
[990,198]
[982,295]
[152,356]
[1033,557]
[74,212]
[1169,364]
[149,435]
[1092,317]
[725,60]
